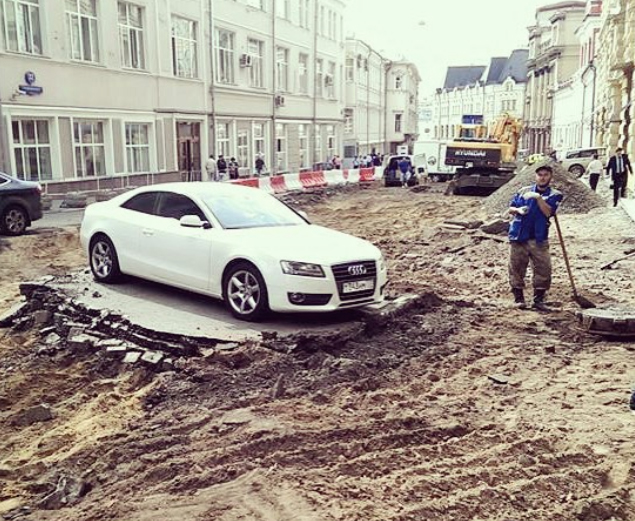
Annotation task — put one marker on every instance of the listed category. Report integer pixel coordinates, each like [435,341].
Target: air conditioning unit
[245,60]
[328,80]
[279,100]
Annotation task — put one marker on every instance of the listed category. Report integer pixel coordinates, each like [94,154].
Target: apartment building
[402,99]
[574,107]
[480,93]
[615,121]
[95,89]
[553,59]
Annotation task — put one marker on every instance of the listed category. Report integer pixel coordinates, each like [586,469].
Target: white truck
[434,151]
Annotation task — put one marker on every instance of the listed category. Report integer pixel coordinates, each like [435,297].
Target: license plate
[358,285]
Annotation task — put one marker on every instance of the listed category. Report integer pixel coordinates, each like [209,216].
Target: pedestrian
[619,166]
[531,208]
[260,165]
[356,162]
[337,162]
[232,166]
[376,160]
[594,169]
[211,168]
[221,165]
[404,168]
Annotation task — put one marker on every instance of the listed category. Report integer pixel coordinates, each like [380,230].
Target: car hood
[307,243]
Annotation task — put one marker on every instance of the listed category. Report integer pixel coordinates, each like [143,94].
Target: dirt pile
[578,197]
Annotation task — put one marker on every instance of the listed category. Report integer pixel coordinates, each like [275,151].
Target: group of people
[531,209]
[221,169]
[618,168]
[367,161]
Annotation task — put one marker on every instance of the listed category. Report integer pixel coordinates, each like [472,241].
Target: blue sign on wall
[472,119]
[29,88]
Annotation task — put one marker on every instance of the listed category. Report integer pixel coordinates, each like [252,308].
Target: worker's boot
[519,298]
[539,300]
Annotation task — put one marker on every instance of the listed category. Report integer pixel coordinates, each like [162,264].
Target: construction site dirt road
[459,408]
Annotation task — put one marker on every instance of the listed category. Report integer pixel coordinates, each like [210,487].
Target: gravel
[578,197]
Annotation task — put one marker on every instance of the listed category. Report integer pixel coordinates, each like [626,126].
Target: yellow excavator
[484,157]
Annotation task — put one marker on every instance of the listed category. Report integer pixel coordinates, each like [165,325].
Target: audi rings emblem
[357,269]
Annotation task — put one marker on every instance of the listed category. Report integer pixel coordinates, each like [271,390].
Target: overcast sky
[437,34]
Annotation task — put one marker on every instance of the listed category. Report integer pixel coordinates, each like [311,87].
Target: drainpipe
[592,129]
[212,86]
[4,144]
[274,86]
[315,42]
[368,102]
[386,66]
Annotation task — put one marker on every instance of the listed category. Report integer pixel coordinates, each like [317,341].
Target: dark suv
[20,204]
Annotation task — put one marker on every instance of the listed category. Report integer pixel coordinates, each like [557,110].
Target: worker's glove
[531,195]
[522,210]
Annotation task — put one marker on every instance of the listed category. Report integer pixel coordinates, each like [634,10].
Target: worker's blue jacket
[534,224]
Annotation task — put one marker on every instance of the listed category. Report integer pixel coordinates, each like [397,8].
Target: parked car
[231,242]
[20,204]
[575,161]
[392,175]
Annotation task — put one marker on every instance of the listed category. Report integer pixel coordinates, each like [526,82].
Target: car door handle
[147,231]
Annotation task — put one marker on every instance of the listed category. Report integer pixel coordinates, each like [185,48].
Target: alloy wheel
[244,292]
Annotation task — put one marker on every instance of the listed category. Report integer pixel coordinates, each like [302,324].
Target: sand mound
[578,197]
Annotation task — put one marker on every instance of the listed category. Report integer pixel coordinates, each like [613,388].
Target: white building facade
[381,102]
[480,93]
[97,89]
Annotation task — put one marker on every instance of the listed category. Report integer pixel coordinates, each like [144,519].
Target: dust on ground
[464,408]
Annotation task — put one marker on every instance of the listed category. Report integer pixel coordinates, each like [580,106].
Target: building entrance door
[188,136]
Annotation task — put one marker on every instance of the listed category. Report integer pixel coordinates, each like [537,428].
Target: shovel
[583,302]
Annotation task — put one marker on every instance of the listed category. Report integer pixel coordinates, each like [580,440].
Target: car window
[175,206]
[587,153]
[251,210]
[143,203]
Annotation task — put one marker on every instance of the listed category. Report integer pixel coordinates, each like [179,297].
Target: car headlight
[305,269]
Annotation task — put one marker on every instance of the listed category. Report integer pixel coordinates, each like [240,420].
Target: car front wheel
[577,170]
[14,221]
[245,292]
[104,262]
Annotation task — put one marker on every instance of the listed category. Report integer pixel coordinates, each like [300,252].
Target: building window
[32,149]
[330,141]
[131,36]
[88,141]
[398,120]
[255,49]
[282,9]
[184,48]
[329,81]
[317,150]
[349,122]
[319,78]
[303,146]
[22,26]
[256,4]
[138,147]
[398,82]
[81,17]
[303,74]
[225,56]
[242,146]
[321,23]
[282,69]
[350,69]
[281,147]
[222,139]
[259,139]
[304,14]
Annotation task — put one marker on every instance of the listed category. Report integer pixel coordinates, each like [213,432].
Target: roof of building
[515,67]
[495,69]
[562,5]
[463,76]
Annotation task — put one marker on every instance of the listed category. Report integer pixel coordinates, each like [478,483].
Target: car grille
[355,271]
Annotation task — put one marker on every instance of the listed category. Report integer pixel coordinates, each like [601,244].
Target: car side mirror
[194,221]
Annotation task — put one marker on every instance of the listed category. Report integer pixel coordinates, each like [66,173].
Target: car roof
[197,188]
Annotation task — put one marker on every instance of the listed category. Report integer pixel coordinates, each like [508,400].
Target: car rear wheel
[104,262]
[14,220]
[245,292]
[576,170]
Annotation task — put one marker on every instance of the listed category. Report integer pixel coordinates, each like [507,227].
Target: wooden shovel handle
[564,254]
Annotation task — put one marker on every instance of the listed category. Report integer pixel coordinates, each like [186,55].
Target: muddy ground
[462,409]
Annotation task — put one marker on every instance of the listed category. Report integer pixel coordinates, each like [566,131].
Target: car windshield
[251,210]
